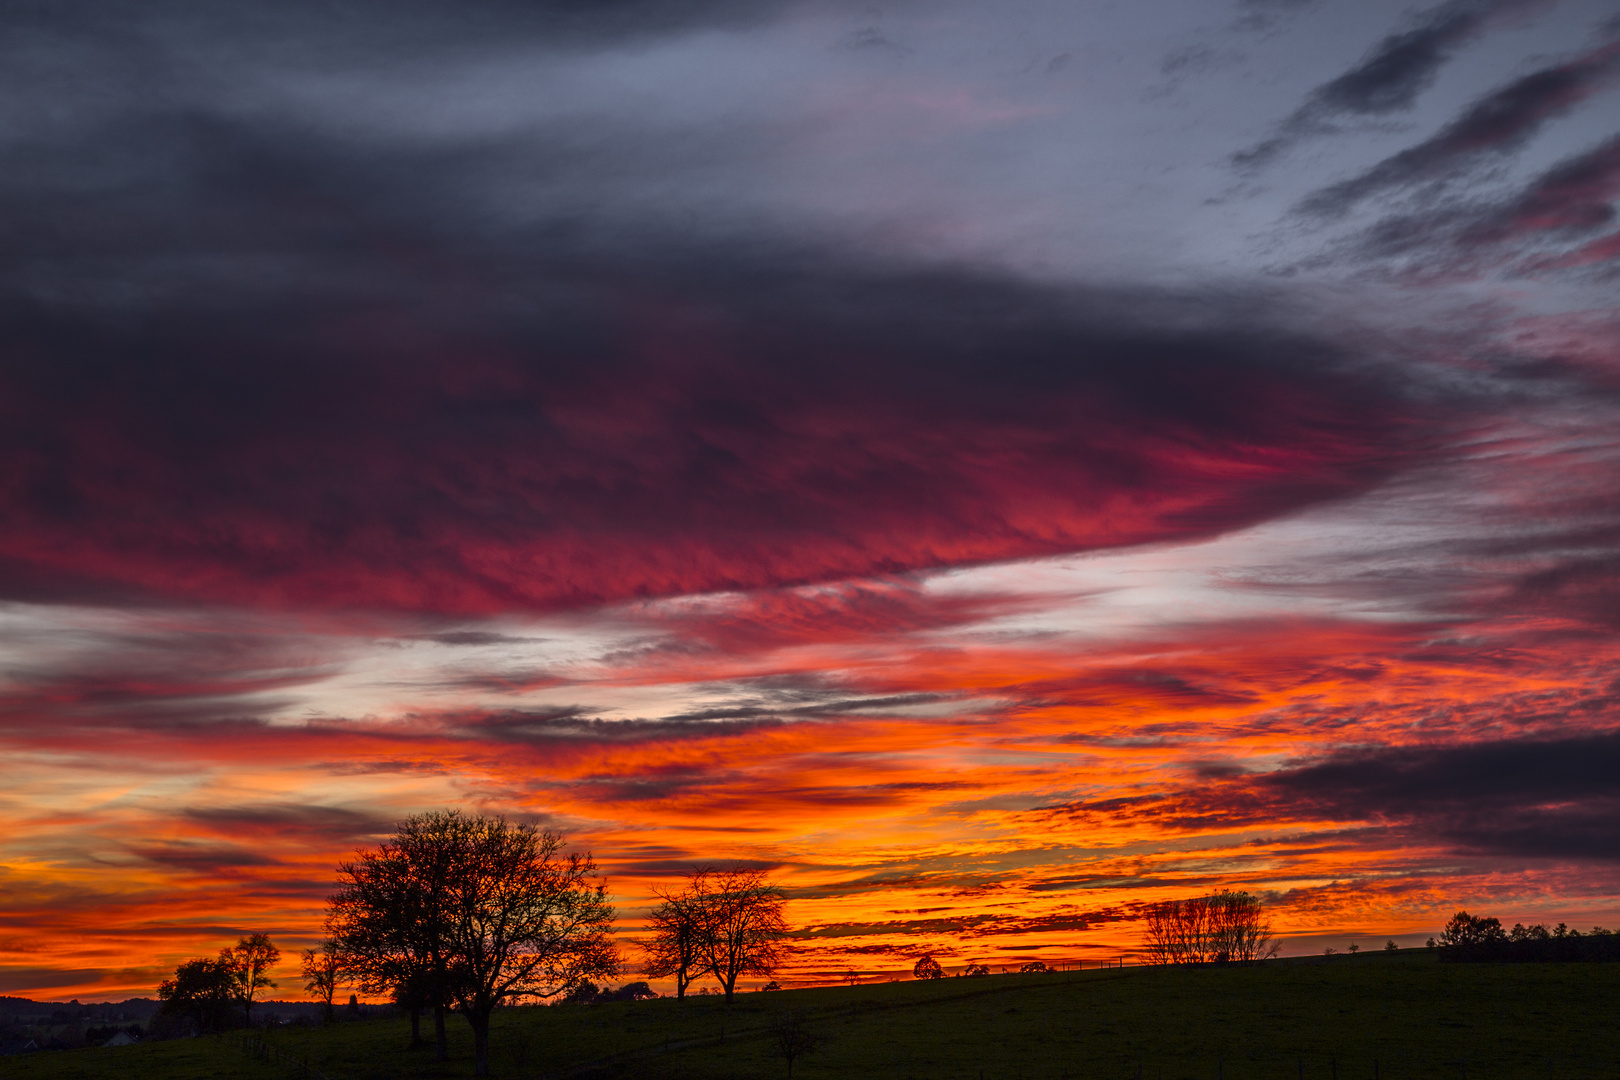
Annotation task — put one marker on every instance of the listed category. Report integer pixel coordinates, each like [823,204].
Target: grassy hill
[1402,1014]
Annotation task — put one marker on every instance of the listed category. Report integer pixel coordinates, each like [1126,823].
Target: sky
[994,467]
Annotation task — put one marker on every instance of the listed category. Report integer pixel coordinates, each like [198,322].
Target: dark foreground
[1390,1016]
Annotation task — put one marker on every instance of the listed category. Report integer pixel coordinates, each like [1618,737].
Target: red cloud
[565,465]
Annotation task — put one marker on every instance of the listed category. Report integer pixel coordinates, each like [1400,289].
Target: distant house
[123,1038]
[12,1047]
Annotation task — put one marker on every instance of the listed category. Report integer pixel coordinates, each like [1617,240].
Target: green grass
[1414,1017]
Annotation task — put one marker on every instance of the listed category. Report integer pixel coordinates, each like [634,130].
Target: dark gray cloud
[1525,231]
[1388,79]
[208,859]
[478,638]
[316,824]
[1521,799]
[1497,124]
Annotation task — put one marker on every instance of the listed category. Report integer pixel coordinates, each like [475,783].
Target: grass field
[1392,1016]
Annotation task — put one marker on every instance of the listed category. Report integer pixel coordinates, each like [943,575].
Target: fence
[256,1046]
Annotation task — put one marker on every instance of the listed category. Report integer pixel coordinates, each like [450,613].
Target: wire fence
[262,1049]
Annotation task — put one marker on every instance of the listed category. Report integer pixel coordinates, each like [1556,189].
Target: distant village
[28,1026]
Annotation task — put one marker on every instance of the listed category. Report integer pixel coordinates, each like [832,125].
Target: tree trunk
[442,1052]
[731,985]
[479,1019]
[416,1026]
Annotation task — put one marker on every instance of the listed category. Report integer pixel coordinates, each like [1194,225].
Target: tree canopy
[477,911]
[725,923]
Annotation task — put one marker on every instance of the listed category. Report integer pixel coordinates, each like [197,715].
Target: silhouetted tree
[1465,930]
[738,915]
[792,1036]
[1227,927]
[251,961]
[477,910]
[523,921]
[389,916]
[675,945]
[928,968]
[321,971]
[201,992]
[975,971]
[1034,967]
[1473,939]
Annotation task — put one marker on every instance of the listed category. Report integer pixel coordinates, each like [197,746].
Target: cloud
[1526,232]
[269,341]
[1528,798]
[1497,124]
[733,436]
[296,822]
[1388,79]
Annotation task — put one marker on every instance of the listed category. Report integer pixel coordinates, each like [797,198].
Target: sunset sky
[994,466]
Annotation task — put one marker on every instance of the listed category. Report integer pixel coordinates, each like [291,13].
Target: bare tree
[792,1036]
[523,921]
[742,924]
[476,911]
[1227,927]
[674,948]
[387,920]
[250,962]
[321,971]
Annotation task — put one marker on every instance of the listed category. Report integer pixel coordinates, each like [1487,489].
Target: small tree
[1034,967]
[673,949]
[928,968]
[321,971]
[852,978]
[741,924]
[200,993]
[1390,946]
[792,1036]
[251,961]
[975,971]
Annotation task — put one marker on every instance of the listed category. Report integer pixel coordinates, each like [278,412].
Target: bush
[636,991]
[585,993]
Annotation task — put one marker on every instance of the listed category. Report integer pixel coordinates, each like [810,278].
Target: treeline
[1472,939]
